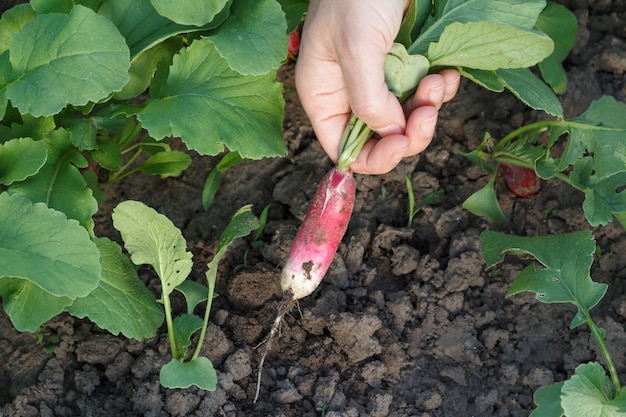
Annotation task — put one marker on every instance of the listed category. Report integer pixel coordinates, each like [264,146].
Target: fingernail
[428,126]
[390,130]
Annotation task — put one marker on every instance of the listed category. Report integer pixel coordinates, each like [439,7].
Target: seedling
[212,183]
[257,242]
[593,160]
[413,208]
[152,239]
[565,278]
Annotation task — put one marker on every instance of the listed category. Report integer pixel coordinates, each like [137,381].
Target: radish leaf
[414,18]
[241,224]
[484,202]
[59,184]
[121,303]
[11,22]
[532,91]
[253,40]
[190,12]
[294,10]
[194,293]
[562,26]
[486,79]
[152,239]
[565,277]
[601,132]
[589,392]
[488,46]
[21,158]
[166,164]
[521,14]
[56,59]
[52,6]
[602,198]
[185,326]
[241,112]
[548,400]
[403,71]
[42,246]
[18,298]
[198,371]
[143,27]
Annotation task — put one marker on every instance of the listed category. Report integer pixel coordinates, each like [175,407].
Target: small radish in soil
[522,182]
[293,47]
[315,244]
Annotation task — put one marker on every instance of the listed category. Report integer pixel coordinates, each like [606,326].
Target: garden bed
[407,321]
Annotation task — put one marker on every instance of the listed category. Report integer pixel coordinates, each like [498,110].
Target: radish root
[285,306]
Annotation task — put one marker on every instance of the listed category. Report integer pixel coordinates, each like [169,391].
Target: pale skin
[340,71]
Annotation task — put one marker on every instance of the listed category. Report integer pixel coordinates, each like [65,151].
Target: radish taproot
[314,246]
[523,182]
[320,234]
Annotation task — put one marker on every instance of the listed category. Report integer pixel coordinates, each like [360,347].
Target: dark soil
[407,321]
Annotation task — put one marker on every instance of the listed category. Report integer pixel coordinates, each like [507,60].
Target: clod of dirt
[99,349]
[238,365]
[250,289]
[353,333]
[286,393]
[404,260]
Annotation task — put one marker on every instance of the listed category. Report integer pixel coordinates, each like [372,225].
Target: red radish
[294,44]
[320,234]
[315,245]
[522,182]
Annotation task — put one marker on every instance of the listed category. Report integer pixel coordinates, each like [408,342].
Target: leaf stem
[165,146]
[207,312]
[211,277]
[354,138]
[544,124]
[599,336]
[120,174]
[170,325]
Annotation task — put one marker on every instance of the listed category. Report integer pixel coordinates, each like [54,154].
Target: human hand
[340,71]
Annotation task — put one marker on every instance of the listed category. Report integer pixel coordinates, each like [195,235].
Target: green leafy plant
[592,161]
[257,242]
[212,182]
[415,208]
[152,239]
[565,278]
[93,91]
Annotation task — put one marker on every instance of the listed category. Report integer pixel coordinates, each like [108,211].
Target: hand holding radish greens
[476,37]
[480,37]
